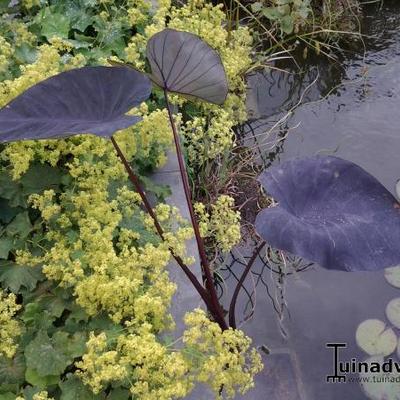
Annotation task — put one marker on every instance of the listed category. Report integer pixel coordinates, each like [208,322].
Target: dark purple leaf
[85,100]
[331,212]
[183,63]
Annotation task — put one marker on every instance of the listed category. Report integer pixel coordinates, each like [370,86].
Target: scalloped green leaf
[73,389]
[375,338]
[32,377]
[14,276]
[54,354]
[12,370]
[6,245]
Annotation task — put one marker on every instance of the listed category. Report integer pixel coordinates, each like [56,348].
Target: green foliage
[288,15]
[61,209]
[18,278]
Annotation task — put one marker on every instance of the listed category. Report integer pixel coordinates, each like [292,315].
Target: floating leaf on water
[392,275]
[331,212]
[398,189]
[393,312]
[375,338]
[84,100]
[380,385]
[183,63]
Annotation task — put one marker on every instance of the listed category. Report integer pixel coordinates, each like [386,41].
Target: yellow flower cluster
[153,372]
[222,222]
[46,204]
[222,359]
[28,4]
[205,140]
[104,278]
[9,327]
[49,63]
[102,245]
[207,137]
[6,52]
[152,132]
[207,21]
[43,395]
[226,361]
[176,230]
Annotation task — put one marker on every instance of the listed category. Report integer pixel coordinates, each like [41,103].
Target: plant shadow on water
[349,109]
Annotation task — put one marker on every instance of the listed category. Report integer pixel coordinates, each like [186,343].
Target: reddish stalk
[136,183]
[232,306]
[209,281]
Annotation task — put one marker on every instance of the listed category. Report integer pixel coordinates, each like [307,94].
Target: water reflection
[348,108]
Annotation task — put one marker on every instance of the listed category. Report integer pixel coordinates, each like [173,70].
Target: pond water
[349,108]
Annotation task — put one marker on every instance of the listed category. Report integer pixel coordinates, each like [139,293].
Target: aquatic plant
[331,212]
[379,340]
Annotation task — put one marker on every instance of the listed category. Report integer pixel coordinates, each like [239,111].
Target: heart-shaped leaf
[183,63]
[85,100]
[375,338]
[331,212]
[392,275]
[393,312]
[379,385]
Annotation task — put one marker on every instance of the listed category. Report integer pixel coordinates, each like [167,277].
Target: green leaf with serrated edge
[20,226]
[72,345]
[53,354]
[14,276]
[55,305]
[41,382]
[40,177]
[73,389]
[42,356]
[34,316]
[11,190]
[119,394]
[6,245]
[7,213]
[287,24]
[375,338]
[12,370]
[30,391]
[272,13]
[8,396]
[53,24]
[25,54]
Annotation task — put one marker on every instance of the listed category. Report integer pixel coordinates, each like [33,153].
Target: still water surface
[349,108]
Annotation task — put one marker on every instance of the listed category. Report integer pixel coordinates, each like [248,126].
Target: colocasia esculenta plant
[330,211]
